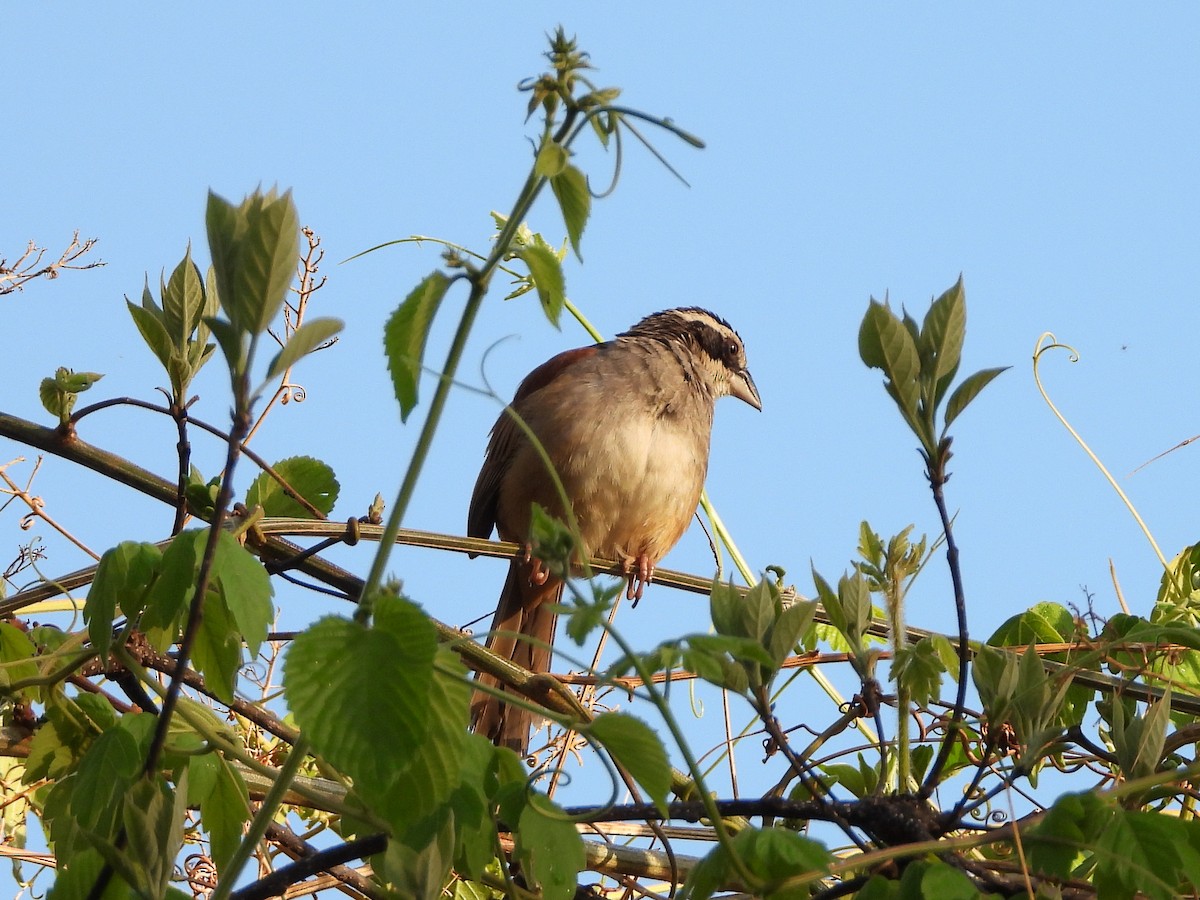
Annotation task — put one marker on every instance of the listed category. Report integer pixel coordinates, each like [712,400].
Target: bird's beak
[742,387]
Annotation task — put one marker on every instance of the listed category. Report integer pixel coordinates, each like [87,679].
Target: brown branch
[29,266]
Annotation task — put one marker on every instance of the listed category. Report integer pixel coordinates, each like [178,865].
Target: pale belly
[637,497]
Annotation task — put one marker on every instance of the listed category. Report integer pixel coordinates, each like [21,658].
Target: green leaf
[123,578]
[423,783]
[575,200]
[59,742]
[547,839]
[307,338]
[941,881]
[310,478]
[919,668]
[16,652]
[254,250]
[759,609]
[149,322]
[217,788]
[789,630]
[153,819]
[1042,623]
[545,269]
[420,870]
[217,652]
[176,582]
[111,764]
[183,301]
[231,341]
[968,390]
[725,607]
[1139,854]
[884,343]
[58,394]
[638,750]
[363,694]
[246,588]
[551,160]
[405,334]
[942,336]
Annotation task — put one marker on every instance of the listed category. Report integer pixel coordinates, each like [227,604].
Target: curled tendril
[1049,342]
[290,392]
[201,874]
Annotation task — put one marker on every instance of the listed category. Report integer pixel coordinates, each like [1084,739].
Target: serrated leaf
[638,750]
[246,589]
[122,579]
[218,789]
[172,589]
[310,478]
[361,694]
[107,769]
[217,652]
[405,334]
[153,820]
[546,271]
[307,338]
[967,391]
[552,846]
[16,652]
[575,201]
[254,250]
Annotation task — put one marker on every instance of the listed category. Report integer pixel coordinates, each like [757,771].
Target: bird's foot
[639,571]
[539,574]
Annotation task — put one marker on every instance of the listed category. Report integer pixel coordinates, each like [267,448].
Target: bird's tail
[522,631]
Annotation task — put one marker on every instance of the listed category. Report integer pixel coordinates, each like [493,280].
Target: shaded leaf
[638,750]
[547,839]
[123,577]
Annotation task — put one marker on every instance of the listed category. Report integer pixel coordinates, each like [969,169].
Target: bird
[627,425]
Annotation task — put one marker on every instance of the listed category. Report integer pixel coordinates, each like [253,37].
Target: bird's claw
[538,573]
[639,572]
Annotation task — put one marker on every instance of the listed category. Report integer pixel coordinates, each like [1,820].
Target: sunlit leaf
[968,390]
[638,750]
[310,478]
[405,334]
[575,201]
[307,338]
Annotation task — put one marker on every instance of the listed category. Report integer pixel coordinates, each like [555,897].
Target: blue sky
[1045,151]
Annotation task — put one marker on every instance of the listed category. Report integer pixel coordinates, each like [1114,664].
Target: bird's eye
[731,350]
